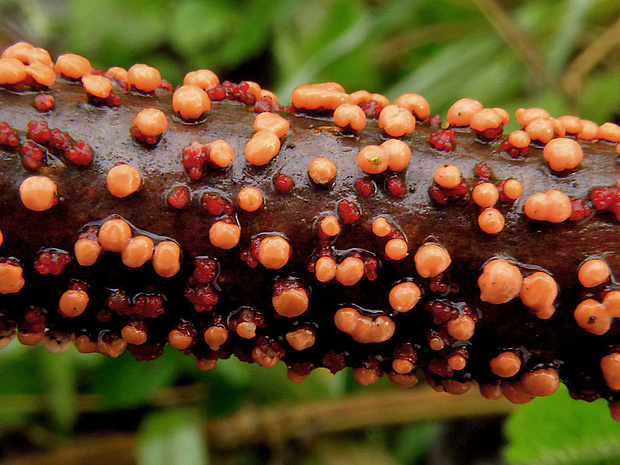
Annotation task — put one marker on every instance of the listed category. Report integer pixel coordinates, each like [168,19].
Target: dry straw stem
[277,424]
[514,36]
[589,58]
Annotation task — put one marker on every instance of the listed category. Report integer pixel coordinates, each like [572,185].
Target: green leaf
[115,30]
[557,430]
[411,442]
[196,26]
[439,78]
[60,376]
[570,30]
[338,47]
[172,437]
[599,98]
[125,383]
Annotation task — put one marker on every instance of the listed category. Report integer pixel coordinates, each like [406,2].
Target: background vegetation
[563,55]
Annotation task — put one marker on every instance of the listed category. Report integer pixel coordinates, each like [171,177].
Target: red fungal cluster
[78,153]
[44,102]
[442,139]
[606,198]
[404,261]
[197,157]
[8,135]
[52,261]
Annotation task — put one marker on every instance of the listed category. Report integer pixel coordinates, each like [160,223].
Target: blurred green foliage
[559,54]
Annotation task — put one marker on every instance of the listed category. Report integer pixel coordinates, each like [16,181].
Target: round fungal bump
[491,221]
[519,139]
[396,121]
[398,154]
[325,269]
[167,259]
[589,130]
[274,252]
[190,102]
[431,260]
[610,366]
[215,337]
[12,71]
[73,302]
[448,176]
[123,180]
[485,194]
[350,115]
[11,279]
[262,147]
[138,251]
[221,153]
[271,122]
[541,382]
[485,119]
[571,124]
[593,317]
[404,296]
[86,251]
[143,77]
[372,159]
[416,104]
[322,96]
[500,282]
[224,235]
[133,335]
[301,339]
[563,154]
[609,132]
[180,340]
[97,86]
[38,193]
[461,111]
[541,129]
[552,206]
[203,78]
[72,66]
[381,227]
[151,122]
[330,226]
[396,249]
[538,292]
[114,235]
[461,328]
[291,302]
[364,329]
[41,73]
[250,199]
[513,189]
[322,170]
[526,115]
[350,271]
[593,273]
[506,364]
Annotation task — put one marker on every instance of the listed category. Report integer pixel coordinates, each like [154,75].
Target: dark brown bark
[84,199]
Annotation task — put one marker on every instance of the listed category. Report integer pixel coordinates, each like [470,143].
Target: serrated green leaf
[172,437]
[558,430]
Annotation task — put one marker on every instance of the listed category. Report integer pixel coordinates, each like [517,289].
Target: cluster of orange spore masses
[342,231]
